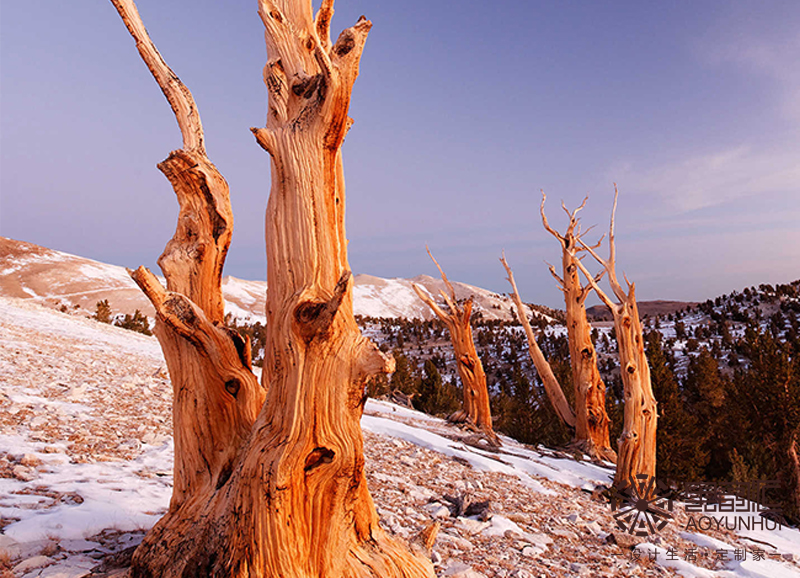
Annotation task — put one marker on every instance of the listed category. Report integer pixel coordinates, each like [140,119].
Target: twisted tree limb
[216,396]
[475,393]
[551,386]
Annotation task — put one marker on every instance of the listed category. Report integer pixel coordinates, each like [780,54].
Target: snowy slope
[86,453]
[55,278]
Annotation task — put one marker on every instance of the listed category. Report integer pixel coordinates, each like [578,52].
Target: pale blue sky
[464,111]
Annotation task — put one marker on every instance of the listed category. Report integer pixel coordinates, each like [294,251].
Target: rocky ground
[85,457]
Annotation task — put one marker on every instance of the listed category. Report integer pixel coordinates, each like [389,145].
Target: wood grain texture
[283,491]
[551,386]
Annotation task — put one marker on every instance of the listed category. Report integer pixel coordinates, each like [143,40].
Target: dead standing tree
[591,419]
[475,392]
[589,422]
[637,443]
[274,488]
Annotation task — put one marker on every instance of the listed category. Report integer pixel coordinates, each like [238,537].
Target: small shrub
[102,312]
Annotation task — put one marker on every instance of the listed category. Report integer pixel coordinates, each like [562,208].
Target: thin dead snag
[470,369]
[551,386]
[591,419]
[292,498]
[637,444]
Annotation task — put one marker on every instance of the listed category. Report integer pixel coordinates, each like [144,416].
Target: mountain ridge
[56,278]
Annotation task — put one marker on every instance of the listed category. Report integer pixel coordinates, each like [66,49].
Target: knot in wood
[345,44]
[232,386]
[630,368]
[318,457]
[308,311]
[467,361]
[307,86]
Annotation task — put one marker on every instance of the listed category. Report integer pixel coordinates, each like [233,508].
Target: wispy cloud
[763,49]
[772,57]
[715,178]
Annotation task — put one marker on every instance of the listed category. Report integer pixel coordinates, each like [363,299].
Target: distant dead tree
[590,421]
[637,443]
[269,478]
[476,410]
[551,386]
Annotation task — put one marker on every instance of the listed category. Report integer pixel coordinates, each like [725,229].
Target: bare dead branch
[323,23]
[556,276]
[610,264]
[442,273]
[178,96]
[546,224]
[426,298]
[551,385]
[594,284]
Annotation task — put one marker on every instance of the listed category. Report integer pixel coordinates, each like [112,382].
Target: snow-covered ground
[86,454]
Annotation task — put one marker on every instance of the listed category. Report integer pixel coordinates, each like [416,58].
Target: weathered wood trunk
[275,487]
[591,418]
[792,481]
[476,406]
[637,444]
[592,421]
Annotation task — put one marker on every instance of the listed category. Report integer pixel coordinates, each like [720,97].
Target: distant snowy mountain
[55,278]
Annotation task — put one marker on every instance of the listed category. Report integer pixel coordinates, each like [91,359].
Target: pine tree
[137,322]
[679,456]
[102,312]
[765,401]
[404,378]
[436,397]
[705,390]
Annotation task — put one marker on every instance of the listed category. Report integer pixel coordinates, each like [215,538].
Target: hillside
[85,470]
[646,309]
[29,271]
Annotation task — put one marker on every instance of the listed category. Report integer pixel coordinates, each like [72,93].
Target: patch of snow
[440,444]
[122,495]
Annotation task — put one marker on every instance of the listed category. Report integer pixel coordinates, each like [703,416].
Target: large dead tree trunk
[637,444]
[470,369]
[284,494]
[591,418]
[551,386]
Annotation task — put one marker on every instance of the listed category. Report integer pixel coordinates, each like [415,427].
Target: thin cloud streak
[709,180]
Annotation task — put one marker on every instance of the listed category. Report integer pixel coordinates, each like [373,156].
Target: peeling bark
[475,392]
